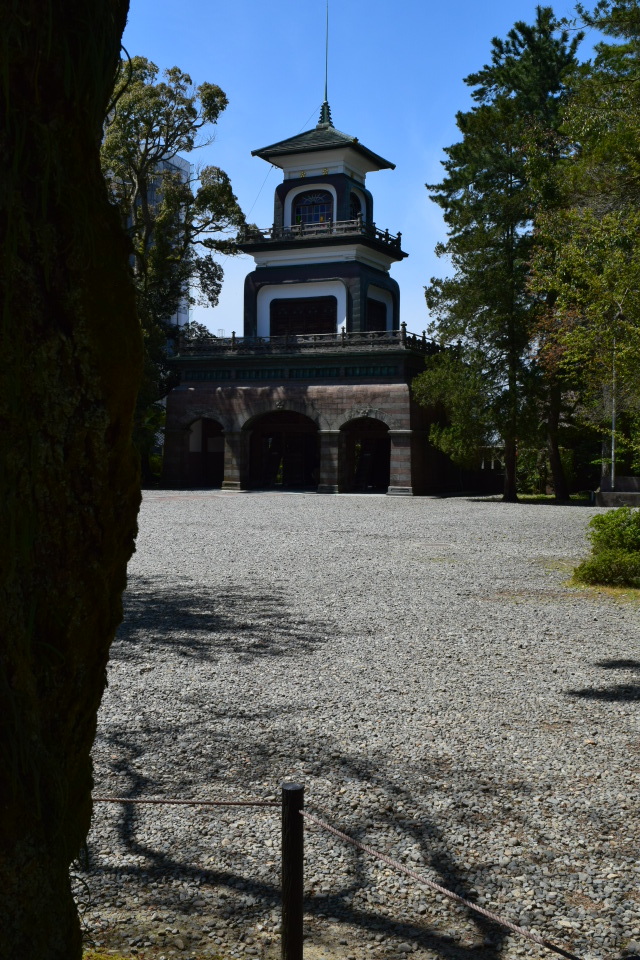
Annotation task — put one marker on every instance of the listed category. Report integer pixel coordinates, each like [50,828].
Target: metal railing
[326,228]
[315,342]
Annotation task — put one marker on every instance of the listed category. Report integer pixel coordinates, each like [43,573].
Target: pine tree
[487,202]
[587,251]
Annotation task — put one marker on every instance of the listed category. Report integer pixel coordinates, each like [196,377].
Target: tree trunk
[560,485]
[510,494]
[69,491]
[510,490]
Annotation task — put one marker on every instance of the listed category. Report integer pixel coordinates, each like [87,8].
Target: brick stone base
[334,410]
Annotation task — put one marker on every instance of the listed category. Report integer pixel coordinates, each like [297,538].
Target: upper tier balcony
[329,230]
[358,342]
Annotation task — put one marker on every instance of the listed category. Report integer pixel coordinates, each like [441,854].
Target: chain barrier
[189,803]
[527,934]
[294,897]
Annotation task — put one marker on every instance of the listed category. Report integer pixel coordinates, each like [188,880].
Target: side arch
[365,454]
[204,453]
[364,412]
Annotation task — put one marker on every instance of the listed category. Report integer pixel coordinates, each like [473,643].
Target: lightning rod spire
[325,111]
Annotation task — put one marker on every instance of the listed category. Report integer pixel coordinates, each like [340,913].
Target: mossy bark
[69,491]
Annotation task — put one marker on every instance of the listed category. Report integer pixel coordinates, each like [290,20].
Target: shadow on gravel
[184,618]
[319,907]
[398,806]
[617,692]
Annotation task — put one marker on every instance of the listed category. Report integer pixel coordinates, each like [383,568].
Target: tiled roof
[323,137]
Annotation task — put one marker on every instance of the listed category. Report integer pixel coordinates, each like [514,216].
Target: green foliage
[194,331]
[489,209]
[610,568]
[177,222]
[587,258]
[617,530]
[451,385]
[615,543]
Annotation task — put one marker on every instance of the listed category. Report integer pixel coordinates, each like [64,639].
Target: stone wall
[330,407]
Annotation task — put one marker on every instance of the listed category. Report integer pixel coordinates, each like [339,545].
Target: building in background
[181,167]
[316,393]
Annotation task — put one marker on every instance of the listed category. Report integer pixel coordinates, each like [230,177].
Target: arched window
[355,207]
[316,207]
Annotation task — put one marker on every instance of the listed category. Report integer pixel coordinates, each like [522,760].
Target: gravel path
[421,666]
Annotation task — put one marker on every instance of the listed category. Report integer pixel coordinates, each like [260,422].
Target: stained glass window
[314,207]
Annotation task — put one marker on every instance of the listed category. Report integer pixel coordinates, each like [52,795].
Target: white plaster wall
[283,291]
[323,162]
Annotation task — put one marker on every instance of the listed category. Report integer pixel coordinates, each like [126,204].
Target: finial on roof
[325,111]
[325,115]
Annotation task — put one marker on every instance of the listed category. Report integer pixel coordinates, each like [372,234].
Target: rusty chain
[527,934]
[189,803]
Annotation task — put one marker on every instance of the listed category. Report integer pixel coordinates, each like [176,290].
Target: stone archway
[284,451]
[205,456]
[365,450]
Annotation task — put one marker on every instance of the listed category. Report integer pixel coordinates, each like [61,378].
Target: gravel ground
[421,665]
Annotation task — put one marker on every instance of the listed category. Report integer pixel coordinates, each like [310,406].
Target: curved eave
[287,148]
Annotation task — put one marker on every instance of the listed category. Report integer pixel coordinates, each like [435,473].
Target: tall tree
[587,252]
[488,209]
[178,220]
[69,486]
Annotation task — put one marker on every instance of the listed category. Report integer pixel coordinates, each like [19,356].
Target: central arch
[366,456]
[284,451]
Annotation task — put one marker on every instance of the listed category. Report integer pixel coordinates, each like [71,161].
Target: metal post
[292,870]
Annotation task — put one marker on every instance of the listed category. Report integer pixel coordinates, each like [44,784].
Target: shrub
[612,568]
[615,550]
[617,530]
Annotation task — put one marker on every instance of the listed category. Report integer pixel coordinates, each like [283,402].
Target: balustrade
[316,342]
[328,228]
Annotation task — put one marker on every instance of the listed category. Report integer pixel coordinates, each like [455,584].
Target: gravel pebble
[422,666]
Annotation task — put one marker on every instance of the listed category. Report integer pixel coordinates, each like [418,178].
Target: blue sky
[396,74]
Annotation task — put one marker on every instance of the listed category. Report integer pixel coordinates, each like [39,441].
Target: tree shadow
[185,617]
[617,692]
[183,624]
[343,902]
